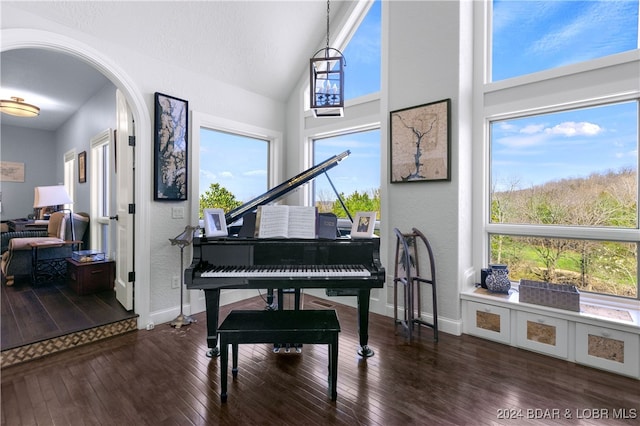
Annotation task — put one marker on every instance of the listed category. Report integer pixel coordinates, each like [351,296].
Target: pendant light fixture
[327,80]
[16,106]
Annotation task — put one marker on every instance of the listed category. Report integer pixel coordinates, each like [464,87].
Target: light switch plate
[177,212]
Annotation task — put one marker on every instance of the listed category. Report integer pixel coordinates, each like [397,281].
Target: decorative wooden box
[560,296]
[91,277]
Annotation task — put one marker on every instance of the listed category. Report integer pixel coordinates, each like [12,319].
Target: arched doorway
[36,39]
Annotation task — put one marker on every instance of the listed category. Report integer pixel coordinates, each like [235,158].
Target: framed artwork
[170,148]
[82,167]
[421,143]
[214,223]
[11,171]
[363,225]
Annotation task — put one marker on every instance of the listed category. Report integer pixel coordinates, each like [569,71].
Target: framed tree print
[421,143]
[170,148]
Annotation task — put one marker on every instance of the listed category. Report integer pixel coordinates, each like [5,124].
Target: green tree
[217,197]
[368,201]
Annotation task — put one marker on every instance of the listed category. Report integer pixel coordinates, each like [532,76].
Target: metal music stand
[183,240]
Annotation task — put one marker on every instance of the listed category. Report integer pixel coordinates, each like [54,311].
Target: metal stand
[183,240]
[407,259]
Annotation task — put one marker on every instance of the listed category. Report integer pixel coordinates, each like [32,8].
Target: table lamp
[55,195]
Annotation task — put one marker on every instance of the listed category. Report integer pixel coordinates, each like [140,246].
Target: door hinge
[132,141]
[132,209]
[132,277]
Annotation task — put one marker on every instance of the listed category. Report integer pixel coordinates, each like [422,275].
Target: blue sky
[533,36]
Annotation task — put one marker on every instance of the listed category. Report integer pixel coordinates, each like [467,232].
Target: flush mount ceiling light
[327,80]
[16,106]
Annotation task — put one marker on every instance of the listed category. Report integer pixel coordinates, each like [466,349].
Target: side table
[91,277]
[47,268]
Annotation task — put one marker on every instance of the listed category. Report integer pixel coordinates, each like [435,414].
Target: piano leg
[363,322]
[212,300]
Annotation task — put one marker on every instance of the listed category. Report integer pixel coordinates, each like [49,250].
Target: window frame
[100,166]
[611,79]
[341,131]
[69,168]
[273,138]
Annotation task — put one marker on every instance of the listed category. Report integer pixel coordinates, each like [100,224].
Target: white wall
[429,55]
[36,149]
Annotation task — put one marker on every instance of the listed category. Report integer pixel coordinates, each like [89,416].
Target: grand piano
[343,266]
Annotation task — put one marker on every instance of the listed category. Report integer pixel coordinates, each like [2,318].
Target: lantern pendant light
[327,80]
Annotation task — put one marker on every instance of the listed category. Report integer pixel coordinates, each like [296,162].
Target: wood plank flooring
[163,377]
[32,314]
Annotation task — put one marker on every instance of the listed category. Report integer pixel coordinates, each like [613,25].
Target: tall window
[100,167]
[562,176]
[362,73]
[234,169]
[356,178]
[69,168]
[576,169]
[531,36]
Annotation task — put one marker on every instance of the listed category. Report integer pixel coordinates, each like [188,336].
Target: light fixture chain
[328,11]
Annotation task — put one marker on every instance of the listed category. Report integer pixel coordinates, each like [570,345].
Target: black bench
[294,326]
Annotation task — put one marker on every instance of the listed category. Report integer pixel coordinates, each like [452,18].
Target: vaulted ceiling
[262,46]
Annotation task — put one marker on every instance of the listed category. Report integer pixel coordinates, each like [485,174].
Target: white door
[125,162]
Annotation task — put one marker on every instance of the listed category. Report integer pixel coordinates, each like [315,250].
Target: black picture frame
[420,138]
[82,167]
[171,137]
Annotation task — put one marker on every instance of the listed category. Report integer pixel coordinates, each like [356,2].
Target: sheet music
[286,222]
[272,222]
[302,222]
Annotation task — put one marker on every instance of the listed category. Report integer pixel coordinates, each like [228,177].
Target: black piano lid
[284,188]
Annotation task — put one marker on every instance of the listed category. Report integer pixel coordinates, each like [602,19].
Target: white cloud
[522,141]
[207,174]
[226,175]
[571,128]
[508,127]
[532,129]
[260,172]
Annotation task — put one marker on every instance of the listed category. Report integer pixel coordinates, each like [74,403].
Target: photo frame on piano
[363,225]
[214,223]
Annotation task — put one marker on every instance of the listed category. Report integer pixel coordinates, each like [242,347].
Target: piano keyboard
[292,271]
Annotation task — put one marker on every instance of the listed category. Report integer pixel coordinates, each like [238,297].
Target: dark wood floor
[163,377]
[32,314]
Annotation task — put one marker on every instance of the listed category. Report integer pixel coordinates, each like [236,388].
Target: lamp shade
[46,196]
[16,106]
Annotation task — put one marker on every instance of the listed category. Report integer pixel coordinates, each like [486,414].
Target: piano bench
[294,326]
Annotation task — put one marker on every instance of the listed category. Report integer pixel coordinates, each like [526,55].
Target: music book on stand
[279,221]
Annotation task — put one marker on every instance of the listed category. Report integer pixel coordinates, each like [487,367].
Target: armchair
[17,262]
